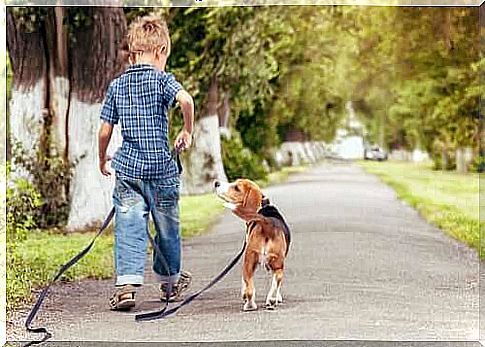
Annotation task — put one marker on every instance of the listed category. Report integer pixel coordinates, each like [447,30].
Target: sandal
[178,288]
[123,298]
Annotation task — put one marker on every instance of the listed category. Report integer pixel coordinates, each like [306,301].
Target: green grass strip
[446,199]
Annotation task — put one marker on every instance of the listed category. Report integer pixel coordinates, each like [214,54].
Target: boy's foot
[178,288]
[123,299]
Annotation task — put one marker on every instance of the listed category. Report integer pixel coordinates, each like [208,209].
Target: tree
[62,61]
[221,56]
[311,94]
[418,81]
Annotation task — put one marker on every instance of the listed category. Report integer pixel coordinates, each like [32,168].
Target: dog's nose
[217,184]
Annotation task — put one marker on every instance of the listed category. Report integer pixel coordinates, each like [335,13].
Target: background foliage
[412,75]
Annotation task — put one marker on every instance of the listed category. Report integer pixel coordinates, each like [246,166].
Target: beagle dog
[267,237]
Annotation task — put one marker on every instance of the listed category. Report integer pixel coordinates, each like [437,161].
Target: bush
[50,175]
[478,164]
[437,158]
[240,161]
[23,201]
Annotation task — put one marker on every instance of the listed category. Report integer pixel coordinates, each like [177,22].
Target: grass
[446,199]
[33,262]
[198,212]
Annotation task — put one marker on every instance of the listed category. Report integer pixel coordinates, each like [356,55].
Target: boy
[147,177]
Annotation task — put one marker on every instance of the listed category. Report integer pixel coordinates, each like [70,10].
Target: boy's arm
[104,137]
[109,117]
[184,138]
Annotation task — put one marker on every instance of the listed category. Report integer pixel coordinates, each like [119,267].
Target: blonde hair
[147,34]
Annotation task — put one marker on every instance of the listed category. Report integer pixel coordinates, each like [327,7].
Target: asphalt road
[362,266]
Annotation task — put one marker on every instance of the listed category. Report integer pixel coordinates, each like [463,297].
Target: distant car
[375,153]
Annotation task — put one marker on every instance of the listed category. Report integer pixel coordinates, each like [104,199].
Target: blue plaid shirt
[139,100]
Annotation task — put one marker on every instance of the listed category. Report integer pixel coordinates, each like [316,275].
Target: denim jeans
[132,199]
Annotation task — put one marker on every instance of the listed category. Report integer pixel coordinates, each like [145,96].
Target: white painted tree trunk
[59,102]
[293,153]
[26,115]
[463,158]
[203,164]
[40,61]
[90,191]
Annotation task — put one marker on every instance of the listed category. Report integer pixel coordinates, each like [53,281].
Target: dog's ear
[252,198]
[246,214]
[264,201]
[243,213]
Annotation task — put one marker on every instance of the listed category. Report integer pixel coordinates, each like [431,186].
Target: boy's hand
[104,136]
[102,166]
[183,140]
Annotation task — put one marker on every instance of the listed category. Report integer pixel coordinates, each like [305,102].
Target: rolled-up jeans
[132,199]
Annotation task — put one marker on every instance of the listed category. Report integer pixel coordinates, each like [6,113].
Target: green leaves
[414,70]
[417,71]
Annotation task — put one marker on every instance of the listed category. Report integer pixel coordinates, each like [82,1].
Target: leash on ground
[163,312]
[64,268]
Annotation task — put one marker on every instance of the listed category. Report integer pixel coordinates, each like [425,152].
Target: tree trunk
[29,66]
[59,82]
[203,164]
[224,112]
[101,41]
[460,160]
[444,159]
[58,86]
[39,63]
[382,130]
[294,149]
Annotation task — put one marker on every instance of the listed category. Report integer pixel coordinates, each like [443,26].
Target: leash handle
[64,268]
[175,153]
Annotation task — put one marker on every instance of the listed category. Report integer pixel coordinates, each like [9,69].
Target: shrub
[50,176]
[23,202]
[478,164]
[240,161]
[437,158]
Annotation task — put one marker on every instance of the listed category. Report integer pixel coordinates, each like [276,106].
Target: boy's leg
[131,222]
[167,225]
[166,219]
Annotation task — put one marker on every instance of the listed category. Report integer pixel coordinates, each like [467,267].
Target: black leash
[163,312]
[64,268]
[175,155]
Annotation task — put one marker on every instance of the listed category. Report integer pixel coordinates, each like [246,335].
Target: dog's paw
[279,298]
[271,303]
[230,205]
[270,307]
[250,306]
